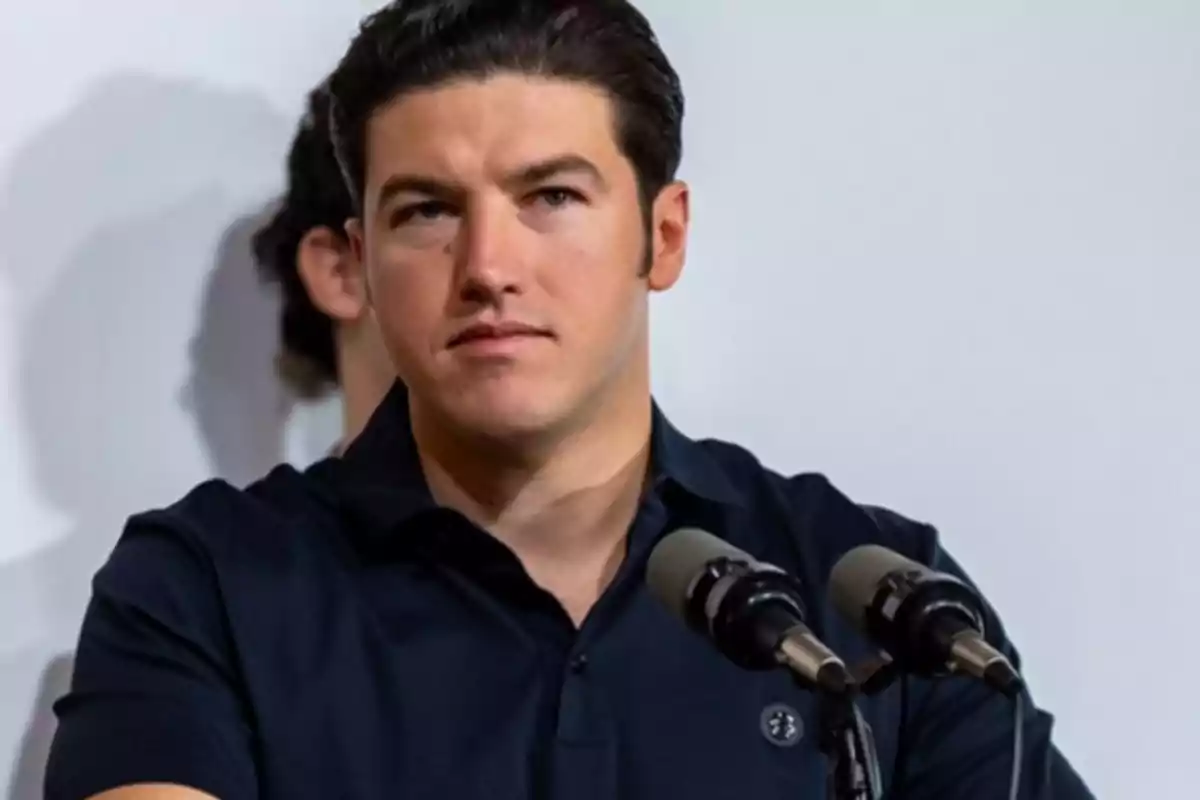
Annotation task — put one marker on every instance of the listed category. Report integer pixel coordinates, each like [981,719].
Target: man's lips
[496,331]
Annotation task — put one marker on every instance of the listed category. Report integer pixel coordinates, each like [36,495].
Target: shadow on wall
[30,763]
[234,393]
[112,220]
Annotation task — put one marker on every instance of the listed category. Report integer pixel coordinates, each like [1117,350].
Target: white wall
[950,259]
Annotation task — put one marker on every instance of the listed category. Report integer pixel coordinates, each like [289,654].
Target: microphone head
[855,579]
[931,623]
[679,559]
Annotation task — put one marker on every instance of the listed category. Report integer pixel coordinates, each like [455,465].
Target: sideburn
[647,235]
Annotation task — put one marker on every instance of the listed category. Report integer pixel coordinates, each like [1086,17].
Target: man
[456,608]
[329,336]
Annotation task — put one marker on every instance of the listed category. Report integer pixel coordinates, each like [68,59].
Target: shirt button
[578,664]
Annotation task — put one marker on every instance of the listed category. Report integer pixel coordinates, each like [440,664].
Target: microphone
[752,612]
[928,622]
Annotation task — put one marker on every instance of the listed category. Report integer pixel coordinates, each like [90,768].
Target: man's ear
[668,235]
[331,274]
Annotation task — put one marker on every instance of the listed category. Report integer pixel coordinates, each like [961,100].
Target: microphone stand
[846,738]
[847,742]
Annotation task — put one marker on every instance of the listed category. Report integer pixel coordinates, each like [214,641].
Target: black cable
[1014,783]
[900,762]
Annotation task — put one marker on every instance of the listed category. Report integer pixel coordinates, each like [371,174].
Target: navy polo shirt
[333,633]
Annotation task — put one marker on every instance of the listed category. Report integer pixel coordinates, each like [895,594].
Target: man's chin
[507,419]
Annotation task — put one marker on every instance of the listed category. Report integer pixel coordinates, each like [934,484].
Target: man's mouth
[497,331]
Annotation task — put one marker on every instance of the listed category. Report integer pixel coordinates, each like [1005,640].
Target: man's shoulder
[222,518]
[808,507]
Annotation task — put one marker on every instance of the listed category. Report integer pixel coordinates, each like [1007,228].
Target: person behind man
[328,333]
[456,608]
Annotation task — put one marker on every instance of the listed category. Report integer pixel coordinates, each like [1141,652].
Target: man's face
[505,248]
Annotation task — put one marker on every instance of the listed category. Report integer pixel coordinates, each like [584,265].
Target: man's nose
[492,260]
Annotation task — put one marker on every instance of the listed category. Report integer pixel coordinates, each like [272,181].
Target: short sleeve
[960,733]
[154,696]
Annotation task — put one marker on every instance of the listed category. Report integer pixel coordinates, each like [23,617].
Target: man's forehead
[478,128]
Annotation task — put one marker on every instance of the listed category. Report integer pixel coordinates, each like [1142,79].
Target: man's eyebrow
[541,171]
[537,172]
[416,184]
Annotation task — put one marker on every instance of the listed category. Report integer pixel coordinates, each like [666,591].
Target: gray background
[948,257]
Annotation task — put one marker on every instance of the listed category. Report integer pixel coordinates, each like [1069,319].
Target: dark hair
[315,196]
[413,44]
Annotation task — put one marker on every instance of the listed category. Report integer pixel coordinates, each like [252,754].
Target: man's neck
[364,385]
[565,509]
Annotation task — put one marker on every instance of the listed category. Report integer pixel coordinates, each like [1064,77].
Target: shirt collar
[689,464]
[379,479]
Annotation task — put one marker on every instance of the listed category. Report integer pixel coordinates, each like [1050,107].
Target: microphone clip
[746,609]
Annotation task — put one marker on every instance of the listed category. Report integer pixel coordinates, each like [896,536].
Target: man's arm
[153,712]
[960,733]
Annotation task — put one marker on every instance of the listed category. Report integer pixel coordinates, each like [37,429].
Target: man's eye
[557,196]
[418,213]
